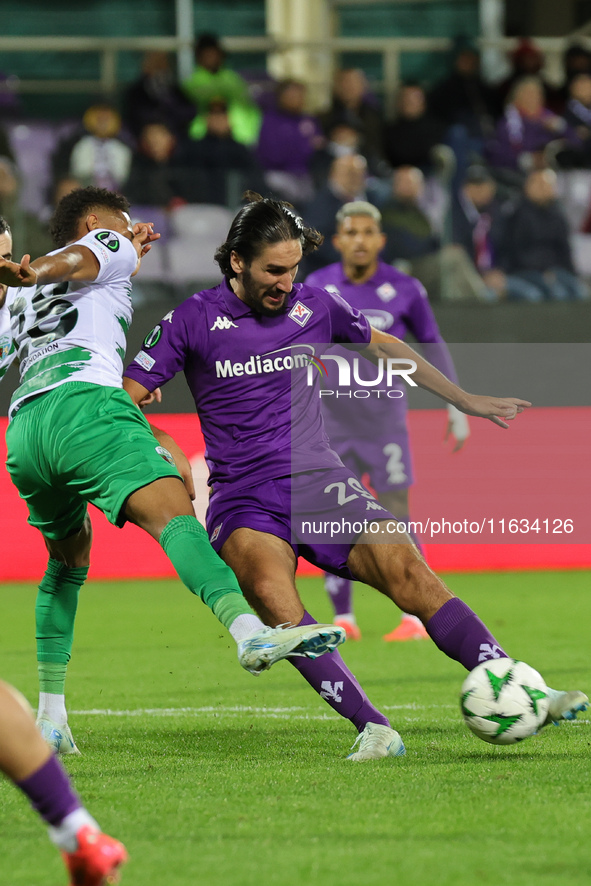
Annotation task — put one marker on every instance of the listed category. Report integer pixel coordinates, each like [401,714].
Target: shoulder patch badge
[153,337]
[108,239]
[145,361]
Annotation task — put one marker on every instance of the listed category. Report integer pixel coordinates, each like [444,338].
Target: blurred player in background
[371,435]
[75,437]
[246,347]
[92,858]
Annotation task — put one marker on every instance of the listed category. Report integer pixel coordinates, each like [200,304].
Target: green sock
[55,612]
[52,676]
[187,546]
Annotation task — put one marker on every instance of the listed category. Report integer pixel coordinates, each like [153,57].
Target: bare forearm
[424,376]
[419,372]
[56,268]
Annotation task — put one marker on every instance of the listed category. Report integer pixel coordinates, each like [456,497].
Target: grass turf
[211,776]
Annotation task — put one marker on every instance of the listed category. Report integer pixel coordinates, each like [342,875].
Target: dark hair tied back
[260,223]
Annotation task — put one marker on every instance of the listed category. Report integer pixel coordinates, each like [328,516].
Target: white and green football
[504,701]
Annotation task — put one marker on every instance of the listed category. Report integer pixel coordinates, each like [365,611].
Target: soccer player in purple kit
[245,347]
[371,435]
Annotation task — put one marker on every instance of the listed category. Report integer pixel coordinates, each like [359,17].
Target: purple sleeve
[423,325]
[164,351]
[347,324]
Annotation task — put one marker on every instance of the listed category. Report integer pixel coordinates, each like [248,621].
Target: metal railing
[390,48]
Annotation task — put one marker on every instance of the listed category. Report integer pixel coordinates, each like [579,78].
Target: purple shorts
[320,514]
[386,459]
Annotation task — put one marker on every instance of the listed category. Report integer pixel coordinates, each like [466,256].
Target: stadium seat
[191,259]
[201,220]
[156,214]
[581,249]
[33,143]
[574,190]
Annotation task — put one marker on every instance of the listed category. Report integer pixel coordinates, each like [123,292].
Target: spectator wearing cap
[576,60]
[287,141]
[536,248]
[479,220]
[210,80]
[527,60]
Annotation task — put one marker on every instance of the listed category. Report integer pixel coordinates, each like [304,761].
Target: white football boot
[264,647]
[565,705]
[377,741]
[58,736]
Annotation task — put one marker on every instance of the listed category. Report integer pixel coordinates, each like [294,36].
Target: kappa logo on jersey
[168,316]
[487,651]
[223,323]
[300,313]
[216,532]
[153,337]
[374,506]
[108,239]
[332,289]
[331,690]
[386,291]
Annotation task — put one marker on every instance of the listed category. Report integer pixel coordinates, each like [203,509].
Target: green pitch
[212,776]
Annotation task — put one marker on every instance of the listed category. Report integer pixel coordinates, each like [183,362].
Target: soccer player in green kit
[76,437]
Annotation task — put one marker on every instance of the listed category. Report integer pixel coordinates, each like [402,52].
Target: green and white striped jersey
[74,331]
[6,346]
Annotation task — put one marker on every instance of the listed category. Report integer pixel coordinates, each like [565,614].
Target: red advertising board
[507,501]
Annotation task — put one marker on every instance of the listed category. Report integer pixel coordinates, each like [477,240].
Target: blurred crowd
[485,191]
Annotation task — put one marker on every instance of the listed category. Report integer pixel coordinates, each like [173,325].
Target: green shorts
[81,443]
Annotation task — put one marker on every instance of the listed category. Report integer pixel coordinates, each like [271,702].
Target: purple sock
[340,591]
[459,633]
[335,683]
[50,792]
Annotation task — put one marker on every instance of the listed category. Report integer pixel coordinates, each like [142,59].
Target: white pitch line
[295,712]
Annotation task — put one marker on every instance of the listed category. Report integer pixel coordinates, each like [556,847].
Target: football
[504,701]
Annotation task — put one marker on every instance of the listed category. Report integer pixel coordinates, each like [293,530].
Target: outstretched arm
[72,263]
[498,409]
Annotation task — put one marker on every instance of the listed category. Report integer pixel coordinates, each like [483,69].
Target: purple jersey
[394,303]
[249,375]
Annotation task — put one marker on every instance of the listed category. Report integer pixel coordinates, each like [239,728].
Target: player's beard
[254,298]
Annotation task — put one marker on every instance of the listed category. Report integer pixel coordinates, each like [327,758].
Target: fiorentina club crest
[386,291]
[300,313]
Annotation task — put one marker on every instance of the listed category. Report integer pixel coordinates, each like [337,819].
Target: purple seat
[156,214]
